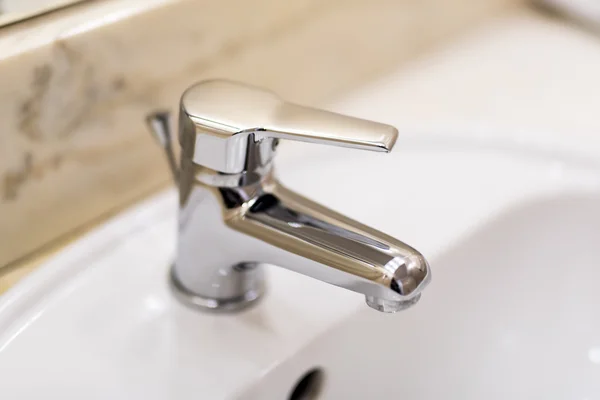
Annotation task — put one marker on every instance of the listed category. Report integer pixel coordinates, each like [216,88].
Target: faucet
[235,217]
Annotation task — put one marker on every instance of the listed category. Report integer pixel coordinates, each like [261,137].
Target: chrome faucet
[235,216]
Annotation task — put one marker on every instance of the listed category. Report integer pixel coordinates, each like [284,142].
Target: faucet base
[198,302]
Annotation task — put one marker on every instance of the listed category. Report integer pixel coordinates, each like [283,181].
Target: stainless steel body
[235,216]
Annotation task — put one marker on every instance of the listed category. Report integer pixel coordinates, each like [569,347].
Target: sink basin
[511,235]
[512,313]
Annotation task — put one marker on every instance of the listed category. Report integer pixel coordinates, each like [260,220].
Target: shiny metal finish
[235,216]
[159,125]
[252,279]
[231,128]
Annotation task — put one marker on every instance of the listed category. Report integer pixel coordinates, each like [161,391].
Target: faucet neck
[211,178]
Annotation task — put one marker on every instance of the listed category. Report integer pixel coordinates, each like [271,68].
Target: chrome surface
[235,216]
[159,124]
[254,281]
[231,128]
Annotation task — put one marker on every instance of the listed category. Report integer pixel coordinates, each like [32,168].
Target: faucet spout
[335,249]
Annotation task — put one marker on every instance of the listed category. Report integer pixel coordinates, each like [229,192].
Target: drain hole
[309,386]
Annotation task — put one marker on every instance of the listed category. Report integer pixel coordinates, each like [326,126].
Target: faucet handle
[306,124]
[231,126]
[159,125]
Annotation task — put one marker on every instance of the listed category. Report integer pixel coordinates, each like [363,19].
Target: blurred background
[15,10]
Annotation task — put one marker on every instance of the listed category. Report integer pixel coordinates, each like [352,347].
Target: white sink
[512,239]
[504,202]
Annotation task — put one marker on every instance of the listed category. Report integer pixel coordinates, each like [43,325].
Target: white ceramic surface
[512,314]
[513,293]
[509,222]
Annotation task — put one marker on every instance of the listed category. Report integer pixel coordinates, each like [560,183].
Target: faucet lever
[306,124]
[234,126]
[159,124]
